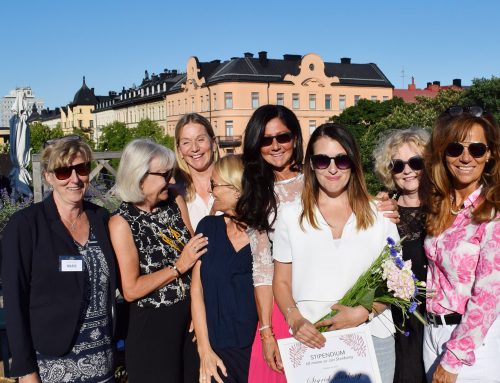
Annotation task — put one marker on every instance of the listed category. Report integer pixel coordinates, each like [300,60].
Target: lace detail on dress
[412,223]
[261,242]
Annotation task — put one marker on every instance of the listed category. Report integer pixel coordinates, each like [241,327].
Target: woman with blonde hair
[223,305]
[196,151]
[400,166]
[463,248]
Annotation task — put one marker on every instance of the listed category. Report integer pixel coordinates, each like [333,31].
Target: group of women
[253,248]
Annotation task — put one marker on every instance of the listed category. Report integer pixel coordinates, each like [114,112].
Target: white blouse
[323,268]
[197,209]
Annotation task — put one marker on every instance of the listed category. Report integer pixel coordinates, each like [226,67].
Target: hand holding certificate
[348,355]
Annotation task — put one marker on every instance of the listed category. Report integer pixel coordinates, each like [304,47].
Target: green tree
[40,133]
[84,135]
[114,137]
[151,129]
[486,94]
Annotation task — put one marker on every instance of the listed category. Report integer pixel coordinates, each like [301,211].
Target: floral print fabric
[464,276]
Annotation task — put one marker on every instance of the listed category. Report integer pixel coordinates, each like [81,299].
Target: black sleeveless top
[159,237]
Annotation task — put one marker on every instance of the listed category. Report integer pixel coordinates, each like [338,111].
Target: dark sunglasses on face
[322,161]
[415,162]
[282,138]
[64,172]
[167,175]
[476,149]
[71,137]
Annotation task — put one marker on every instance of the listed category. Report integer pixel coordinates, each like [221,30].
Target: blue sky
[49,45]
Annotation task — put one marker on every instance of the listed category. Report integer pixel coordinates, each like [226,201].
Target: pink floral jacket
[464,274]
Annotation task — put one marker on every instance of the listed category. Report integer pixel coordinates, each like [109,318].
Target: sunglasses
[476,149]
[322,161]
[282,138]
[213,185]
[71,137]
[455,111]
[415,162]
[167,175]
[64,172]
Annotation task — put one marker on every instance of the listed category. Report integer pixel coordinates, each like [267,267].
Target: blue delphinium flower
[393,252]
[390,241]
[407,333]
[399,262]
[413,307]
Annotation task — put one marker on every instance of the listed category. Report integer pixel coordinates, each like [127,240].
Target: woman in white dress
[325,241]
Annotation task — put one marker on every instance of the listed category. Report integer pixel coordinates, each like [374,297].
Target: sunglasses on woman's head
[476,149]
[64,172]
[282,138]
[415,162]
[71,137]
[455,111]
[322,161]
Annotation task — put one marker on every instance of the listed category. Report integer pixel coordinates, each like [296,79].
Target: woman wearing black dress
[399,165]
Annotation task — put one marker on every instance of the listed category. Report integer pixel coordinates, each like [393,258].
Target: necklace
[455,212]
[72,225]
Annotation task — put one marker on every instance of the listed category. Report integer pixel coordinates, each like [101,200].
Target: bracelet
[177,272]
[265,336]
[288,312]
[264,327]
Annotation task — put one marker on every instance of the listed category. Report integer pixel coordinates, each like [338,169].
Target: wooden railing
[100,161]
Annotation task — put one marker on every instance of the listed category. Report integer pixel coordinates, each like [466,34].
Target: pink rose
[466,268]
[475,317]
[496,261]
[487,300]
[484,267]
[466,343]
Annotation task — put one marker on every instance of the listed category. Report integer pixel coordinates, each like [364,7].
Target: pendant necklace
[455,212]
[72,225]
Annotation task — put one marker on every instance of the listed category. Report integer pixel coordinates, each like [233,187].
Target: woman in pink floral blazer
[462,342]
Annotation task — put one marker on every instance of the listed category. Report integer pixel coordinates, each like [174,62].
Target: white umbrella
[20,155]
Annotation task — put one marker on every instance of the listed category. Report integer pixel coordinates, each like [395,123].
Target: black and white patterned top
[159,237]
[91,358]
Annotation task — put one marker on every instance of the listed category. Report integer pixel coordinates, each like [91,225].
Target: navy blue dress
[226,276]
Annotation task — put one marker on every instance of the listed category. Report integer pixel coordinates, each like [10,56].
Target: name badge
[71,263]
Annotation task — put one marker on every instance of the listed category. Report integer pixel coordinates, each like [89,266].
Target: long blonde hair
[182,167]
[357,192]
[438,179]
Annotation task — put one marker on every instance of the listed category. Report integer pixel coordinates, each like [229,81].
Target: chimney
[248,55]
[438,83]
[263,58]
[345,60]
[174,72]
[428,85]
[412,86]
[457,82]
[289,57]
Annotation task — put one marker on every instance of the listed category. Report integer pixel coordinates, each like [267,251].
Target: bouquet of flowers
[389,280]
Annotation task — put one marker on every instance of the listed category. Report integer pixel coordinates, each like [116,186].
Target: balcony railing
[229,141]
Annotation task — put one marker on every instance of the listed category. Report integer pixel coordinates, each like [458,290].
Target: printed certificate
[348,356]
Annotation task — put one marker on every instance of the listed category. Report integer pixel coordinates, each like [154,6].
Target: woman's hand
[305,332]
[388,206]
[193,250]
[270,351]
[31,378]
[209,362]
[346,317]
[443,376]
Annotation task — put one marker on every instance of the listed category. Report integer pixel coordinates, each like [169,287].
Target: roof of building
[84,96]
[263,69]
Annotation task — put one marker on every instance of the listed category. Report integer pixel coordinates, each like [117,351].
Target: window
[374,98]
[192,104]
[202,107]
[295,101]
[91,122]
[255,100]
[228,100]
[328,101]
[215,102]
[385,98]
[80,124]
[341,102]
[356,99]
[312,101]
[312,126]
[208,102]
[280,99]
[229,128]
